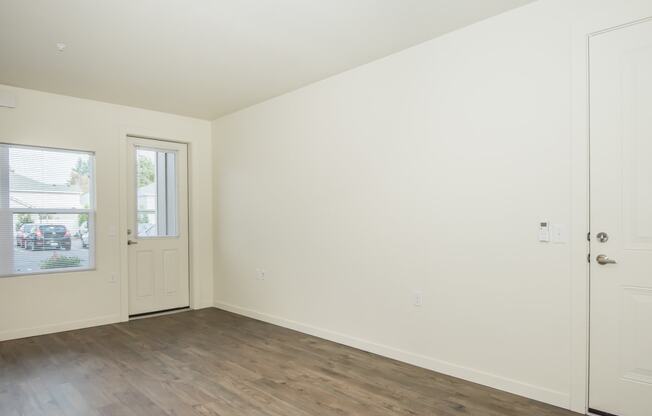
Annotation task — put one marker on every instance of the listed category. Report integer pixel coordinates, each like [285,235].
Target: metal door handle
[130,242]
[603,259]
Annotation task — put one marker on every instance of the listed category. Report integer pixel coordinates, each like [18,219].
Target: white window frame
[7,264]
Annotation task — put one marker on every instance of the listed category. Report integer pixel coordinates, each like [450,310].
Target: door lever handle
[603,259]
[130,242]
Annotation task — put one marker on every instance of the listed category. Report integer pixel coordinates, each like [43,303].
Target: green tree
[82,218]
[23,219]
[146,171]
[80,175]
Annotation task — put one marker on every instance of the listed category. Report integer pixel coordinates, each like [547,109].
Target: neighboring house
[147,198]
[85,200]
[25,192]
[147,210]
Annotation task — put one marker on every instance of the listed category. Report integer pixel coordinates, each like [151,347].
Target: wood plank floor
[211,362]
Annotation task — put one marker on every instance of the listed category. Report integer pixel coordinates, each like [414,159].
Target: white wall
[428,171]
[39,304]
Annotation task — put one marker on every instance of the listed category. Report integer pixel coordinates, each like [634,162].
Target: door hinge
[588,258]
[588,236]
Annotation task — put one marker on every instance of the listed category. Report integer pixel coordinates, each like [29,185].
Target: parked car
[22,232]
[44,236]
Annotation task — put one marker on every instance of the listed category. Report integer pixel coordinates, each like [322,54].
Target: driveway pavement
[29,261]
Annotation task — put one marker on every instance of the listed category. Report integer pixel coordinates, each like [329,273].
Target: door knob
[130,242]
[603,259]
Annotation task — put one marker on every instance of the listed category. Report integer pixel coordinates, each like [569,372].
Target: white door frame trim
[122,237]
[619,16]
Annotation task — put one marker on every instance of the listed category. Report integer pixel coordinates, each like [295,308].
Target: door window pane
[146,190]
[156,195]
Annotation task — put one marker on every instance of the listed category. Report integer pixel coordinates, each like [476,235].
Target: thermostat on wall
[544,231]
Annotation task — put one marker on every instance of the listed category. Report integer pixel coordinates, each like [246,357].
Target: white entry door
[621,221]
[158,225]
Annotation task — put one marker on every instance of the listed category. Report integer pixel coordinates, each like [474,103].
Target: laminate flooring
[212,362]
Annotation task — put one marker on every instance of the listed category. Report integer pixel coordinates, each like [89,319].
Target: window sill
[47,272]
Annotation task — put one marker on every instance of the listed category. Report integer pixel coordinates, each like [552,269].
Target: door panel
[637,146]
[637,337]
[158,226]
[621,207]
[144,274]
[171,271]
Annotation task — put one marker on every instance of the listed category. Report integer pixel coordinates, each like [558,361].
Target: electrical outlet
[260,274]
[418,298]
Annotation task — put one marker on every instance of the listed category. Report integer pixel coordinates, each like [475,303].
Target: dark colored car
[44,236]
[23,232]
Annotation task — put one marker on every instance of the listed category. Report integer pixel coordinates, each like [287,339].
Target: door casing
[122,236]
[613,19]
[160,299]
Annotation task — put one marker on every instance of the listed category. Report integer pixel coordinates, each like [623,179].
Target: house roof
[20,183]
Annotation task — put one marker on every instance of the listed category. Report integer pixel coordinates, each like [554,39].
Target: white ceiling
[206,58]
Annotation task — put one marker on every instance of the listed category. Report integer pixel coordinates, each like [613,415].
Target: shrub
[58,262]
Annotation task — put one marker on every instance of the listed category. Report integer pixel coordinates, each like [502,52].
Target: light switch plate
[558,233]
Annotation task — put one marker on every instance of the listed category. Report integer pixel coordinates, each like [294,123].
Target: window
[156,209]
[46,210]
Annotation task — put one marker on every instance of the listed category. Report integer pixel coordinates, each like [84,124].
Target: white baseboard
[541,394]
[60,327]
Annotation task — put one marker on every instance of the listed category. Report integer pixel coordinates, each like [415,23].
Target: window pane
[146,173]
[46,210]
[156,210]
[49,179]
[46,242]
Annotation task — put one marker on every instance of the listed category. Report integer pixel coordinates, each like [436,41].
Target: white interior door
[158,225]
[621,209]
